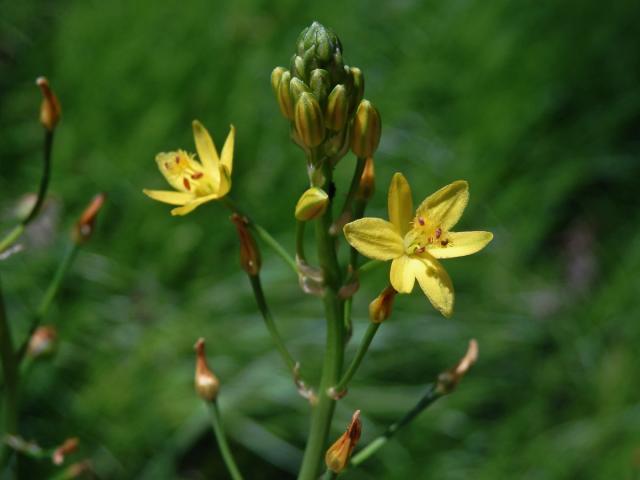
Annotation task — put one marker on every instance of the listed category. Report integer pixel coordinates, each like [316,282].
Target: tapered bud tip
[367,181]
[86,223]
[50,109]
[367,129]
[250,259]
[449,379]
[43,342]
[276,75]
[311,204]
[338,456]
[308,120]
[381,307]
[206,383]
[283,95]
[69,446]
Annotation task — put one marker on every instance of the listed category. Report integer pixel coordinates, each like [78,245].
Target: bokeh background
[537,104]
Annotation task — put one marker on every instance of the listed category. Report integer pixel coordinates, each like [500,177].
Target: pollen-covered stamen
[421,221]
[438,232]
[420,249]
[197,175]
[185,182]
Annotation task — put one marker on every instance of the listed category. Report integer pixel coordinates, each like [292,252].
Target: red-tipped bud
[381,307]
[207,384]
[338,455]
[449,379]
[43,342]
[50,110]
[367,181]
[85,225]
[69,446]
[249,253]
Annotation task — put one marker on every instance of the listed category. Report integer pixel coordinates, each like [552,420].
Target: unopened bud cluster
[323,98]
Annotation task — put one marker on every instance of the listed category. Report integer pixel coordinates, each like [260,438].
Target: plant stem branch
[11,375]
[221,438]
[355,363]
[353,188]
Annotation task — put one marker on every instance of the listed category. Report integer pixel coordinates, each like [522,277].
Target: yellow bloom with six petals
[415,242]
[196,182]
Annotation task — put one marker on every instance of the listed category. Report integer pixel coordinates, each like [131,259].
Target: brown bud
[42,342]
[85,225]
[338,455]
[449,379]
[207,384]
[50,107]
[367,181]
[249,254]
[381,307]
[69,446]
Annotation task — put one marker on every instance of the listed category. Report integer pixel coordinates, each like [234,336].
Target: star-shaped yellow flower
[415,242]
[196,182]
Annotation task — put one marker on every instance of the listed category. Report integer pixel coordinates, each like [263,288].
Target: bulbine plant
[323,100]
[18,354]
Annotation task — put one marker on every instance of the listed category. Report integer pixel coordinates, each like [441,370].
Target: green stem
[355,363]
[370,265]
[18,230]
[353,188]
[329,475]
[221,438]
[256,284]
[431,395]
[300,227]
[49,295]
[11,379]
[334,350]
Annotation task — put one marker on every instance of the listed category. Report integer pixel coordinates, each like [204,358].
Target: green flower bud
[276,75]
[366,131]
[337,109]
[297,88]
[284,95]
[321,48]
[337,144]
[311,204]
[298,67]
[319,83]
[308,120]
[358,87]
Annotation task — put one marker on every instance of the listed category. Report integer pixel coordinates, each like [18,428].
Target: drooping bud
[250,260]
[43,342]
[69,446]
[367,181]
[365,135]
[311,204]
[84,227]
[380,308]
[284,95]
[449,379]
[206,383]
[50,110]
[338,455]
[297,87]
[357,94]
[309,121]
[276,75]
[319,83]
[337,109]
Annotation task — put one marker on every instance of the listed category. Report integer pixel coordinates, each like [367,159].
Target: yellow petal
[226,157]
[170,197]
[207,153]
[374,238]
[225,182]
[192,205]
[460,244]
[436,285]
[444,208]
[400,203]
[403,273]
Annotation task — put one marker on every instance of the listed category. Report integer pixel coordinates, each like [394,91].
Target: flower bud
[357,94]
[367,181]
[298,67]
[50,110]
[276,75]
[69,446]
[337,109]
[311,204]
[84,227]
[319,83]
[43,342]
[449,379]
[381,307]
[206,383]
[249,253]
[284,95]
[337,144]
[297,88]
[339,454]
[321,48]
[309,121]
[365,135]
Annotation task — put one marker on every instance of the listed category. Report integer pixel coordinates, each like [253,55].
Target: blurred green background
[537,104]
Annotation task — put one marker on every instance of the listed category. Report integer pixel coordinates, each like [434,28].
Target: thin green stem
[348,324]
[288,359]
[11,379]
[300,228]
[11,237]
[221,438]
[431,395]
[355,363]
[329,475]
[370,265]
[353,188]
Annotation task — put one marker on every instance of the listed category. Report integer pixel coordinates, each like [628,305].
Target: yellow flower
[415,242]
[196,182]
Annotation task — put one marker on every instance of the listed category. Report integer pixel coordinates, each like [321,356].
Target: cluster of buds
[323,99]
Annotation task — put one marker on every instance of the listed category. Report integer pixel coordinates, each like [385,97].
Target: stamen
[177,160]
[420,249]
[421,221]
[438,232]
[444,242]
[185,182]
[197,175]
[430,240]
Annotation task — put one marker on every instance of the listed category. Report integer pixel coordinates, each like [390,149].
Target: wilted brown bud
[69,446]
[338,455]
[50,110]
[381,307]
[207,384]
[367,181]
[43,342]
[85,225]
[249,254]
[449,379]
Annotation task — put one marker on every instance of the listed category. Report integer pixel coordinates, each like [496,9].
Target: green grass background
[537,104]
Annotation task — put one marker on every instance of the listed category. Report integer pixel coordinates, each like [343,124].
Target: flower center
[425,235]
